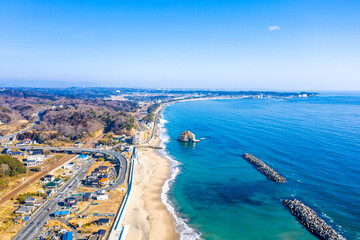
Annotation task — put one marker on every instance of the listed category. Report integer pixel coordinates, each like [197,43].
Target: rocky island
[187,136]
[311,221]
[265,169]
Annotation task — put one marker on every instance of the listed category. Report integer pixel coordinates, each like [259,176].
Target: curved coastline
[181,226]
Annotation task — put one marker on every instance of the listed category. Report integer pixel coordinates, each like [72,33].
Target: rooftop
[104,180]
[103,220]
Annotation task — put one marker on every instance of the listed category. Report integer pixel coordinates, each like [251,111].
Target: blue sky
[277,45]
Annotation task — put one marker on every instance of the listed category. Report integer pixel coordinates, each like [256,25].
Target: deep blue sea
[313,142]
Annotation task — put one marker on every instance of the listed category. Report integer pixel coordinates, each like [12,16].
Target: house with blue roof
[64,213]
[83,158]
[68,236]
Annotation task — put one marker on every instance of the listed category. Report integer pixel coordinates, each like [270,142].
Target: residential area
[84,194]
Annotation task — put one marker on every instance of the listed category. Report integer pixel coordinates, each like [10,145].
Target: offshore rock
[187,136]
[263,168]
[311,221]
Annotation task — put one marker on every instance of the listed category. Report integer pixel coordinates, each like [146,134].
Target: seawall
[263,168]
[311,221]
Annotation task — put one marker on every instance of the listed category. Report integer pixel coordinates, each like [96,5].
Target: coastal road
[156,119]
[42,215]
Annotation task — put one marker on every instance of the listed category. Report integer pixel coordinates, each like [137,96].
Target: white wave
[202,138]
[163,121]
[186,232]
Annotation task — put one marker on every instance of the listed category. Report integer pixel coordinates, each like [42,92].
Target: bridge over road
[117,156]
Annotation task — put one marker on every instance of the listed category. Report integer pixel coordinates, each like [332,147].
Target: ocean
[215,194]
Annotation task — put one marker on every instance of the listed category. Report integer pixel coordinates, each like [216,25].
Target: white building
[68,166]
[137,138]
[102,197]
[31,163]
[38,158]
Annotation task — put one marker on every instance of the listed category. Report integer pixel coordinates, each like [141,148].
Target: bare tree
[4,168]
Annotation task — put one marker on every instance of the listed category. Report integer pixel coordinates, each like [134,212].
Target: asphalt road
[157,115]
[7,137]
[42,215]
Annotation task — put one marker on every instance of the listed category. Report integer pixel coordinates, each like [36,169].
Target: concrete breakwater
[265,169]
[311,221]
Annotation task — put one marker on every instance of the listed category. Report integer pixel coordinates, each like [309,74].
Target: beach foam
[185,231]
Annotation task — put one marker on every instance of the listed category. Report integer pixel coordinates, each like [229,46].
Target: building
[78,144]
[30,200]
[58,180]
[51,185]
[38,157]
[54,184]
[83,158]
[93,237]
[103,221]
[67,236]
[24,210]
[137,138]
[101,233]
[65,213]
[49,178]
[17,154]
[6,151]
[19,219]
[118,138]
[33,160]
[36,152]
[103,169]
[68,166]
[92,180]
[87,196]
[31,163]
[104,182]
[102,196]
[98,145]
[71,202]
[50,193]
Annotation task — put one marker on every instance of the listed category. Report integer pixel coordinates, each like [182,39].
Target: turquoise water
[314,143]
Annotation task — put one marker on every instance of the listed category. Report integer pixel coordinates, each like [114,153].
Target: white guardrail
[119,232]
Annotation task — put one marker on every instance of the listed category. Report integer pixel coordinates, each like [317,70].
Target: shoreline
[147,216]
[150,214]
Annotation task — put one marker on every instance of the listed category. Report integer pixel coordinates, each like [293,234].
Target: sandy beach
[147,216]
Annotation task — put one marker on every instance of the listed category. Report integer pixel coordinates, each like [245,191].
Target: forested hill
[77,119]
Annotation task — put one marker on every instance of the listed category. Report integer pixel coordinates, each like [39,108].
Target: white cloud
[274,28]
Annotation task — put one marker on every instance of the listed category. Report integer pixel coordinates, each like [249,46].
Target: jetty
[263,168]
[311,221]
